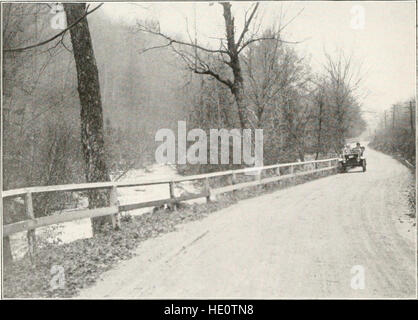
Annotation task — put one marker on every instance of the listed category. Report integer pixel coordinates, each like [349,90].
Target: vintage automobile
[351,159]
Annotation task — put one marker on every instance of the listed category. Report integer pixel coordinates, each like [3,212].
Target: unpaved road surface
[300,242]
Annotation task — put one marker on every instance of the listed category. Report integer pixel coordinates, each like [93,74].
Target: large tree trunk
[91,110]
[237,87]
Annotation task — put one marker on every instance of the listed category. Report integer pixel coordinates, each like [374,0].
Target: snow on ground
[81,229]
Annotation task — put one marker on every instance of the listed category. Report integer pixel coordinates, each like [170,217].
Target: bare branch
[247,24]
[245,44]
[171,41]
[291,20]
[54,37]
[198,66]
[227,82]
[156,47]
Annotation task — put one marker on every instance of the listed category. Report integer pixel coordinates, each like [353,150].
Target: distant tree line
[395,134]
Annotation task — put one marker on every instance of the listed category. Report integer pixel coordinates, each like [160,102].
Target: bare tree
[271,68]
[296,114]
[229,52]
[344,79]
[319,101]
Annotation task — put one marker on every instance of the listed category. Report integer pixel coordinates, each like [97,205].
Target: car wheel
[363,164]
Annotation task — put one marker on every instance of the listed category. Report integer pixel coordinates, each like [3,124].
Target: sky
[380,36]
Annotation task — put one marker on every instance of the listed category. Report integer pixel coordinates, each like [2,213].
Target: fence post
[230,179]
[30,233]
[115,202]
[172,205]
[207,189]
[292,171]
[233,182]
[259,178]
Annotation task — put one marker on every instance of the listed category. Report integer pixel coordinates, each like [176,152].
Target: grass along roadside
[402,158]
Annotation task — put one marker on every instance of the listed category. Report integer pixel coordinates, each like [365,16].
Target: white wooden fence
[32,223]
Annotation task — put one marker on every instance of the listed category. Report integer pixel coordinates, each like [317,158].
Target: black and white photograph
[205,150]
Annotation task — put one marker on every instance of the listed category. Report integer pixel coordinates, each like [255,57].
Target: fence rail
[33,223]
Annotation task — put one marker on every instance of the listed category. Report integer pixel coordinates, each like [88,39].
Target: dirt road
[301,242]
